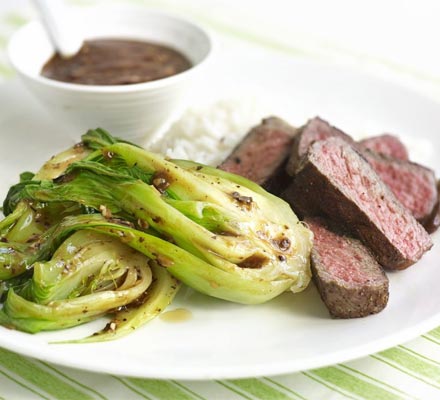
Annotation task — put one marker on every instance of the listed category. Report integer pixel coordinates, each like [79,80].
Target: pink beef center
[316,130]
[342,259]
[416,191]
[310,138]
[358,181]
[387,145]
[259,157]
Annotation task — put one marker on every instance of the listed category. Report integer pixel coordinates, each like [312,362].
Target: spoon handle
[59,26]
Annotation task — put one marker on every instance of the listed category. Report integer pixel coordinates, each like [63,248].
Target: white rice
[208,134]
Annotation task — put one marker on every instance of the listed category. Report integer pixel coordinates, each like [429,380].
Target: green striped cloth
[406,371]
[410,371]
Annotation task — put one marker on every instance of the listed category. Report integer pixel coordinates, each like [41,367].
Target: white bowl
[136,112]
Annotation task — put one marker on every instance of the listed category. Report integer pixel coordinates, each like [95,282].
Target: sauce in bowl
[116,62]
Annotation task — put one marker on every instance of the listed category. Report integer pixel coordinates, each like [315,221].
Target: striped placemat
[409,371]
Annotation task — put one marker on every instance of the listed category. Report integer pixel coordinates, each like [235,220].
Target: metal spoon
[59,26]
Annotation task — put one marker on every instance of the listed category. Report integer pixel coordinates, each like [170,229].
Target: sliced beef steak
[350,281]
[387,145]
[262,154]
[314,130]
[334,180]
[414,186]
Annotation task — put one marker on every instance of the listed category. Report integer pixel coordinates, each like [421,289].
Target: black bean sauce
[116,62]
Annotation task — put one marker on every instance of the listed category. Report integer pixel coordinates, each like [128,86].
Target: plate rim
[259,370]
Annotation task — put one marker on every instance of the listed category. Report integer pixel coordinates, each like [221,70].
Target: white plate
[293,332]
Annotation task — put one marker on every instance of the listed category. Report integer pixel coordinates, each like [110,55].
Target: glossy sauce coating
[116,62]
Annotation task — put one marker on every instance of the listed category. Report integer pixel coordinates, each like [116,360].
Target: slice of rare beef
[414,185]
[261,156]
[387,145]
[336,181]
[350,281]
[314,130]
